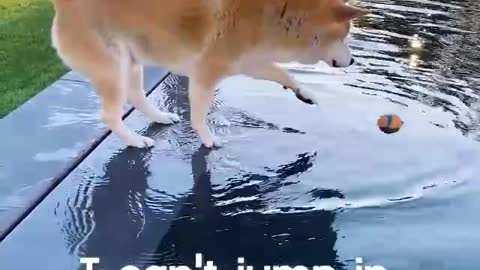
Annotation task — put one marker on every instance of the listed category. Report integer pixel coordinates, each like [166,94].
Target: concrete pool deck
[46,138]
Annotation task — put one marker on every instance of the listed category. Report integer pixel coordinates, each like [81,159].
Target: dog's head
[325,32]
[333,19]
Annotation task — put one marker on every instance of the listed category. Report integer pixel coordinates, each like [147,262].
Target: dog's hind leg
[137,98]
[113,94]
[107,68]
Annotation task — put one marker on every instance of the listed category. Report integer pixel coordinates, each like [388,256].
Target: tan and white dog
[108,41]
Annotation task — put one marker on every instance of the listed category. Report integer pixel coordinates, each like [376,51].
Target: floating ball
[389,123]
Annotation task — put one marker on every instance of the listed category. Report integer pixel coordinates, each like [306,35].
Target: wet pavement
[46,137]
[294,184]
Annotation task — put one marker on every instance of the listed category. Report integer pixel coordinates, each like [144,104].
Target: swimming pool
[294,184]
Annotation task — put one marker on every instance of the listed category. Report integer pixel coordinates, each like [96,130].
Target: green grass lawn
[28,63]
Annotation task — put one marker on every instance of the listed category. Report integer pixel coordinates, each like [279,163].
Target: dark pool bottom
[161,206]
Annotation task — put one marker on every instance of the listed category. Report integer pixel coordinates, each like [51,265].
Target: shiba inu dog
[109,41]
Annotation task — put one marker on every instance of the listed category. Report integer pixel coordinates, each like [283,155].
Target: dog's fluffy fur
[108,41]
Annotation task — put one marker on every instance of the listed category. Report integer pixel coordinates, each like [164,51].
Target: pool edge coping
[152,78]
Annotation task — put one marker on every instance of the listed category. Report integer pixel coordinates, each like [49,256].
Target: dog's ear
[347,13]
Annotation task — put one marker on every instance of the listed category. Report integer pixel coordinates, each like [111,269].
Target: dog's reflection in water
[125,226]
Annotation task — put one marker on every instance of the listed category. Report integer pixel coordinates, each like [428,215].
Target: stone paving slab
[46,136]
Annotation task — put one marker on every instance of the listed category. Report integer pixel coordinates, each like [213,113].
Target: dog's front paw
[304,95]
[207,138]
[165,118]
[211,141]
[139,141]
[304,99]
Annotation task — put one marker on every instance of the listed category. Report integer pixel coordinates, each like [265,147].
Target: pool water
[294,184]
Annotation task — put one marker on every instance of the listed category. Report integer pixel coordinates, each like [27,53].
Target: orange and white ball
[390,123]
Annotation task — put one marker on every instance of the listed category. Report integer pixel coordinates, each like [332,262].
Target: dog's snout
[334,63]
[352,61]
